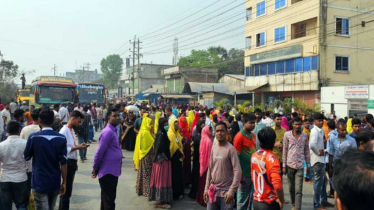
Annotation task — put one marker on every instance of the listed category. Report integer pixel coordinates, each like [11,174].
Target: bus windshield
[91,93]
[53,94]
[24,93]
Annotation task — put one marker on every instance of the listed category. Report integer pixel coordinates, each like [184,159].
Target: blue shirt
[332,134]
[338,148]
[258,127]
[48,150]
[353,135]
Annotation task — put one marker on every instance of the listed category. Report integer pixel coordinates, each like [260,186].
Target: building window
[261,8]
[248,42]
[314,62]
[300,30]
[307,64]
[249,14]
[280,67]
[341,63]
[247,71]
[290,66]
[257,70]
[263,69]
[271,68]
[299,64]
[260,39]
[280,34]
[280,4]
[342,26]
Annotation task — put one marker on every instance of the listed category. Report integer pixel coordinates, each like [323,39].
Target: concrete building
[148,75]
[177,76]
[295,47]
[233,82]
[84,76]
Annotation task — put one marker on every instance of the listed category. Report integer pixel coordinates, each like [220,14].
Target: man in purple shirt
[108,161]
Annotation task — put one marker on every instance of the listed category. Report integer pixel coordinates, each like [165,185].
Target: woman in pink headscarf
[206,144]
[1,107]
[285,123]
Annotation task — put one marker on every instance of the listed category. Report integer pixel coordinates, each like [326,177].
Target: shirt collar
[318,129]
[47,129]
[111,127]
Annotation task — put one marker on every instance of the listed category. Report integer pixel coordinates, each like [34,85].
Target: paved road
[86,191]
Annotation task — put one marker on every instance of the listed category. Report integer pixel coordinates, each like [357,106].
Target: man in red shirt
[266,174]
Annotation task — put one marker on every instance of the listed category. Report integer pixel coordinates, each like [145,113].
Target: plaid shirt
[295,151]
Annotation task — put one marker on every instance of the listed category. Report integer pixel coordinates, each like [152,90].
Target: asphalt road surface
[86,191]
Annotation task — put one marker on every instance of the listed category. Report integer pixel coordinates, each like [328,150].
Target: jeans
[45,201]
[14,192]
[295,183]
[220,204]
[82,153]
[108,185]
[319,181]
[99,124]
[29,175]
[65,199]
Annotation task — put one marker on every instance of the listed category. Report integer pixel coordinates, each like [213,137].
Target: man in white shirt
[25,133]
[317,160]
[56,109]
[67,130]
[13,167]
[13,107]
[79,108]
[267,121]
[6,113]
[64,114]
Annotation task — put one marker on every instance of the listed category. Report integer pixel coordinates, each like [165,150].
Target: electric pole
[133,64]
[135,54]
[54,69]
[138,71]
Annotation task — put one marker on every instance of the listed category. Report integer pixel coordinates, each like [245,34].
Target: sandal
[163,206]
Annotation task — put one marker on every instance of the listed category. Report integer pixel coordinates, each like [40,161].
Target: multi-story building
[295,47]
[84,75]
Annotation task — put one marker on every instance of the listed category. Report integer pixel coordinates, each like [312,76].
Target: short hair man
[47,148]
[267,121]
[279,132]
[19,116]
[64,114]
[353,180]
[259,125]
[363,138]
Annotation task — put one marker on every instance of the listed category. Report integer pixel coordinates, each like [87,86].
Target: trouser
[265,206]
[45,201]
[14,192]
[108,185]
[82,152]
[295,183]
[29,175]
[330,177]
[95,124]
[245,195]
[65,199]
[220,204]
[99,124]
[319,181]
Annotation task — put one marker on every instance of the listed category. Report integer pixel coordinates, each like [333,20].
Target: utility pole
[54,69]
[138,70]
[133,64]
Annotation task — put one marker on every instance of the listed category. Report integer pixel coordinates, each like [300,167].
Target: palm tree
[220,104]
[242,106]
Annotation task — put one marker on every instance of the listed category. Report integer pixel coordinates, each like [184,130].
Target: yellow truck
[23,95]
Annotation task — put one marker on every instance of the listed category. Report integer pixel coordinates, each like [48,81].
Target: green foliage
[227,62]
[299,106]
[241,107]
[260,106]
[8,72]
[111,67]
[220,104]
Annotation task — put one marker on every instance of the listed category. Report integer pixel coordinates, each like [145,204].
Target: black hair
[364,137]
[13,127]
[76,114]
[353,179]
[117,106]
[312,119]
[85,108]
[296,119]
[238,117]
[267,137]
[267,114]
[295,114]
[258,110]
[355,115]
[331,124]
[153,108]
[247,117]
[207,112]
[306,120]
[230,119]
[221,123]
[371,122]
[356,121]
[368,117]
[18,113]
[341,120]
[47,117]
[56,126]
[169,109]
[276,115]
[110,111]
[35,114]
[32,106]
[215,119]
[319,116]
[201,114]
[56,106]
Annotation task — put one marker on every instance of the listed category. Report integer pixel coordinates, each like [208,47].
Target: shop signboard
[285,53]
[356,92]
[370,104]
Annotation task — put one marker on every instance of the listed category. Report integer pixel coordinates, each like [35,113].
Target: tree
[220,104]
[8,89]
[111,66]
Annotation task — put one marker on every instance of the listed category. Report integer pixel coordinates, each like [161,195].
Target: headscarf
[1,107]
[285,123]
[326,129]
[144,141]
[162,143]
[184,128]
[206,144]
[190,119]
[157,118]
[175,111]
[194,122]
[175,138]
[349,125]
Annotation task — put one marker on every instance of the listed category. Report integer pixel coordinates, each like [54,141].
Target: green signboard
[285,53]
[370,104]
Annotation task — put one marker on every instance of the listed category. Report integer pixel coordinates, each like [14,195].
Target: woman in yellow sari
[190,118]
[176,153]
[143,156]
[157,118]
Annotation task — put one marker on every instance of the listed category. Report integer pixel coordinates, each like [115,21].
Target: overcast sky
[38,34]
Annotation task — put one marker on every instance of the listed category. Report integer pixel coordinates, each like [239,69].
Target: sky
[39,34]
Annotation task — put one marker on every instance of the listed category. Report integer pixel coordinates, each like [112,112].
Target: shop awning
[253,88]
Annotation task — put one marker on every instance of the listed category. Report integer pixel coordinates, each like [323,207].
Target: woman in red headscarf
[194,123]
[183,124]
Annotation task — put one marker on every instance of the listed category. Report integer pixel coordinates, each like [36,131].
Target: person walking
[48,151]
[68,131]
[13,107]
[64,114]
[160,189]
[94,116]
[13,181]
[83,133]
[295,151]
[6,113]
[108,161]
[224,172]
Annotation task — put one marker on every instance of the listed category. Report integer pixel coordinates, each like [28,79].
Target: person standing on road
[100,118]
[108,161]
[78,108]
[259,125]
[279,132]
[19,116]
[94,115]
[28,114]
[83,132]
[195,175]
[224,172]
[295,151]
[13,167]
[68,131]
[13,107]
[47,149]
[245,145]
[64,114]
[317,153]
[203,157]
[56,109]
[6,113]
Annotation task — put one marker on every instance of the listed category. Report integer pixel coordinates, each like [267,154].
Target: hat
[23,102]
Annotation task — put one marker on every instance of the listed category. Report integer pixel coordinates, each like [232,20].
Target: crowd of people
[226,159]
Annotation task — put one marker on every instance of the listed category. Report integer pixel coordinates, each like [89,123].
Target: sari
[206,145]
[190,119]
[128,138]
[183,124]
[195,175]
[157,118]
[285,123]
[194,122]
